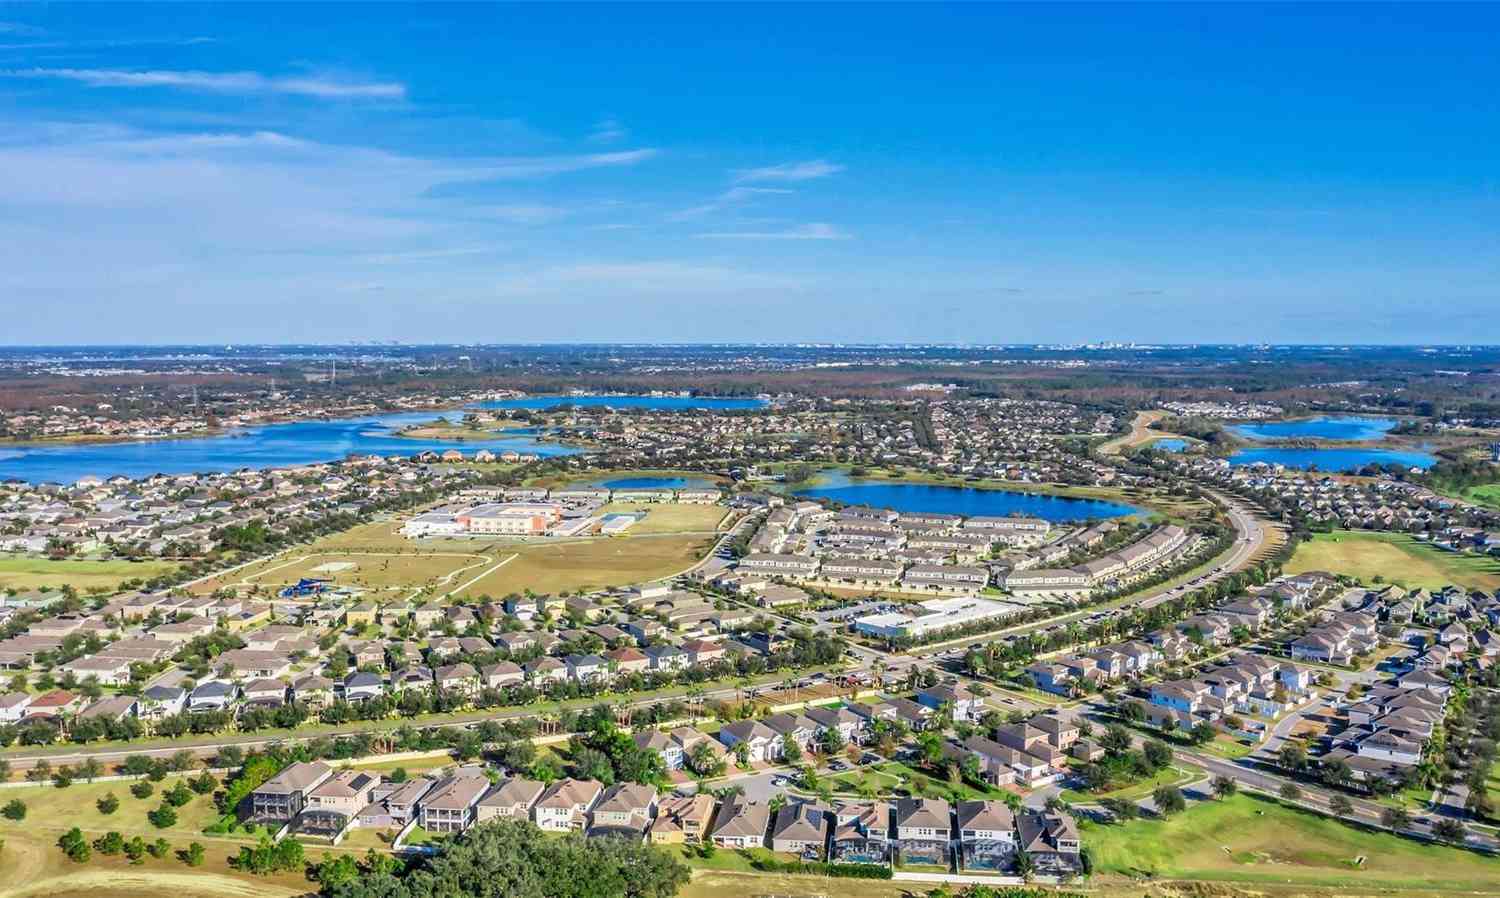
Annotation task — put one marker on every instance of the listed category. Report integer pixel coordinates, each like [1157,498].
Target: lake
[267,446]
[1331,459]
[655,483]
[965,501]
[654,403]
[1328,427]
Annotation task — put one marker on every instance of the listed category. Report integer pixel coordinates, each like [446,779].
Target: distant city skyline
[1051,174]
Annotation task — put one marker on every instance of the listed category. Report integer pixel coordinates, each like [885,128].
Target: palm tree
[1025,866]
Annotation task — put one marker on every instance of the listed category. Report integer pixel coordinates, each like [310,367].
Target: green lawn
[881,783]
[23,574]
[1489,494]
[723,859]
[916,782]
[1171,776]
[1397,558]
[1251,839]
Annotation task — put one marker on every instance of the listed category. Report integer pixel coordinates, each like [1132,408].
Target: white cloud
[634,278]
[734,196]
[812,231]
[517,213]
[239,215]
[426,255]
[608,130]
[790,171]
[222,82]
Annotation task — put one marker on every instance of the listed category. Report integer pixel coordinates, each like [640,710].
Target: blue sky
[969,173]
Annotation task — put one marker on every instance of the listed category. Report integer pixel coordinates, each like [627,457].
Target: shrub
[108,804]
[163,817]
[851,871]
[15,809]
[142,789]
[193,856]
[75,846]
[178,795]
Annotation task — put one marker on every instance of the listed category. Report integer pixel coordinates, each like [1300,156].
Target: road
[1259,772]
[1140,432]
[1251,535]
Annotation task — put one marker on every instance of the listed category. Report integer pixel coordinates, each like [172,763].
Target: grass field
[22,574]
[399,568]
[876,782]
[668,517]
[590,564]
[1396,557]
[1249,839]
[1171,776]
[36,868]
[53,810]
[1488,495]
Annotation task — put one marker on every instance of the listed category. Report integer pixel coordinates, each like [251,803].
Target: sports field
[1252,840]
[1396,557]
[667,517]
[590,564]
[24,574]
[389,571]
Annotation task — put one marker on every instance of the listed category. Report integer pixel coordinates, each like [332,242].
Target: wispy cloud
[222,82]
[517,213]
[425,255]
[734,196]
[608,130]
[541,166]
[650,277]
[789,171]
[98,44]
[813,231]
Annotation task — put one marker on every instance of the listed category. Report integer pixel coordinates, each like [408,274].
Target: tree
[1292,756]
[1290,792]
[110,843]
[1396,818]
[1337,772]
[1224,786]
[1025,866]
[1116,740]
[163,817]
[1202,733]
[108,804]
[1450,830]
[142,789]
[703,760]
[1157,753]
[791,752]
[1169,800]
[75,846]
[336,870]
[178,795]
[512,857]
[1341,805]
[193,857]
[1121,809]
[15,809]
